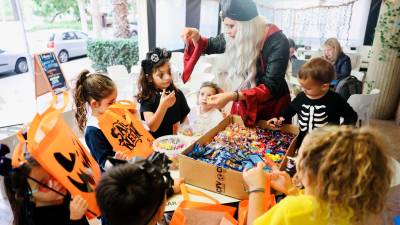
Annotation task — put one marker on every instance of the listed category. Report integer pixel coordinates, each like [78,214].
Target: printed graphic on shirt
[128,136]
[312,116]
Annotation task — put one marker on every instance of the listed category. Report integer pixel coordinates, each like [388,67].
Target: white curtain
[312,22]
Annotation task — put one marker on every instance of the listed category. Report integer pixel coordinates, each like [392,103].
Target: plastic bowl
[171,145]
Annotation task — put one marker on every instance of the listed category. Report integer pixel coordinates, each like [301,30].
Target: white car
[67,44]
[12,61]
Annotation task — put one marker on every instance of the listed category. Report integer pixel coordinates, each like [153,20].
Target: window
[81,35]
[311,24]
[68,36]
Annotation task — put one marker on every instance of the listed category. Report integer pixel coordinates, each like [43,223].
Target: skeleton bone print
[312,116]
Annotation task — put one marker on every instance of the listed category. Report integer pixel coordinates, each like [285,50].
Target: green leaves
[106,53]
[389,31]
[52,8]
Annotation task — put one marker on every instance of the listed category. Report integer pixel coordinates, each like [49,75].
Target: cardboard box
[223,181]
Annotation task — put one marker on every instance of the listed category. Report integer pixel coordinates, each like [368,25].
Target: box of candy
[216,161]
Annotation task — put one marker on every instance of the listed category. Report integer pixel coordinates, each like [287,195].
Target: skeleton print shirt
[314,113]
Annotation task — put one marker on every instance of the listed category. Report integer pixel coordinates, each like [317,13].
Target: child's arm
[288,112]
[255,179]
[154,120]
[347,112]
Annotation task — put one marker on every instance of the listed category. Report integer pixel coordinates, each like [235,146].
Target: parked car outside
[67,44]
[13,61]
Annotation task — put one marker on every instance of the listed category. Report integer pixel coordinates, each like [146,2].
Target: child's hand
[121,156]
[276,122]
[281,181]
[177,183]
[77,208]
[167,100]
[256,177]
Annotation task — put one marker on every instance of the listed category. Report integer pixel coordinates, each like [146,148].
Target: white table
[175,200]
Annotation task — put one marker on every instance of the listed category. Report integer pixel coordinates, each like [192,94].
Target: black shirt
[314,113]
[56,214]
[174,114]
[342,66]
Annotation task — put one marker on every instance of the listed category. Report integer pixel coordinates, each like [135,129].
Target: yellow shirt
[299,210]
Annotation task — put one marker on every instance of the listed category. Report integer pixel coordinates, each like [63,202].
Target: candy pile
[238,147]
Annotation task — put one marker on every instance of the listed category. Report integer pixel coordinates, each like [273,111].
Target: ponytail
[96,86]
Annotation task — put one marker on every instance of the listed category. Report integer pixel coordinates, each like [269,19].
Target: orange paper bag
[199,213]
[55,147]
[124,130]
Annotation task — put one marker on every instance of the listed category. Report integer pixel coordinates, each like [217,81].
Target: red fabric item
[191,55]
[259,105]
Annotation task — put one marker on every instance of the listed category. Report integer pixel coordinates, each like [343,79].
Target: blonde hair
[350,169]
[242,52]
[337,49]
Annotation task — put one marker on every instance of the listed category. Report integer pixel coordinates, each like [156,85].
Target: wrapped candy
[237,147]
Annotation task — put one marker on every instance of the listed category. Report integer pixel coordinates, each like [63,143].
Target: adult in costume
[257,54]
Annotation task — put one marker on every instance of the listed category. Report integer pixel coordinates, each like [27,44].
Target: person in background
[292,49]
[334,54]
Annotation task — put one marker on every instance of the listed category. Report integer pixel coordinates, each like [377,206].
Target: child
[317,105]
[346,177]
[35,204]
[99,92]
[162,105]
[204,116]
[134,193]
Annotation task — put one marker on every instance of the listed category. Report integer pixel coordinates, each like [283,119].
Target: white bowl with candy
[171,145]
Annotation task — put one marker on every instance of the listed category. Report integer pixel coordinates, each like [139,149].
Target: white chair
[125,84]
[361,104]
[359,75]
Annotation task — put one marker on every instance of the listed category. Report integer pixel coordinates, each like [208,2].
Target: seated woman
[333,53]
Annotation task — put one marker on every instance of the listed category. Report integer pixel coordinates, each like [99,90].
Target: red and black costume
[271,94]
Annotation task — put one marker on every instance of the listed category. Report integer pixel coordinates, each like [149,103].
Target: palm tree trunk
[120,17]
[96,18]
[82,15]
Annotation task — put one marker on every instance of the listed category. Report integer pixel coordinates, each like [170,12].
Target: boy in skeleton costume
[255,59]
[316,106]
